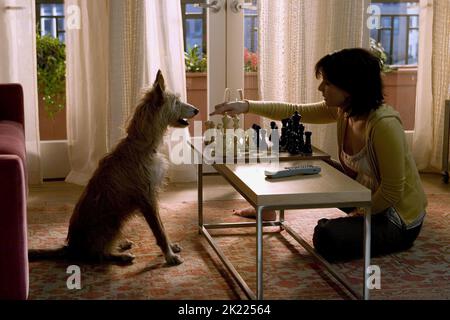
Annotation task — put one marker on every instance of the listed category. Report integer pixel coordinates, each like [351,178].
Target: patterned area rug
[289,271]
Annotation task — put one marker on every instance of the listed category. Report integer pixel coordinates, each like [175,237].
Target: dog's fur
[126,180]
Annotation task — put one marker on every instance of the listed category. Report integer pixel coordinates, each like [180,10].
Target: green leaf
[51,73]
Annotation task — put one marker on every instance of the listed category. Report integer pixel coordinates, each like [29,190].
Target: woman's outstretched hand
[231,108]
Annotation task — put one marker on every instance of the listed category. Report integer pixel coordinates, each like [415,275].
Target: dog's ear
[157,97]
[159,81]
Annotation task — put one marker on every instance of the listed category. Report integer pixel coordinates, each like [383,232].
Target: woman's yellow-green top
[388,153]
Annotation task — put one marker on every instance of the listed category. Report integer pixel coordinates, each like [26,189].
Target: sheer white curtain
[18,65]
[87,56]
[164,49]
[113,57]
[294,35]
[433,84]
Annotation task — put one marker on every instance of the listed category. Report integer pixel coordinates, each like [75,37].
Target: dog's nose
[196,111]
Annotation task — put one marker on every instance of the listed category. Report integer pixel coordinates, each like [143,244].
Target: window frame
[391,31]
[56,18]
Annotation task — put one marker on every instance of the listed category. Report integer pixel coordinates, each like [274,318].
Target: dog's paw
[122,258]
[174,260]
[128,257]
[125,245]
[175,247]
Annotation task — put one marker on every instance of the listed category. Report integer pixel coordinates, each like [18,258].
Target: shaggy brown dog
[126,180]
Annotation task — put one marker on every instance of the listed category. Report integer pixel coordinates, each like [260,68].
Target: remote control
[292,171]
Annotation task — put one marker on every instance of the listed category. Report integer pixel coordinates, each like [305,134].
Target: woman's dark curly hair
[358,72]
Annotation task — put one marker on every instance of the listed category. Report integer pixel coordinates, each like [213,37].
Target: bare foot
[250,212]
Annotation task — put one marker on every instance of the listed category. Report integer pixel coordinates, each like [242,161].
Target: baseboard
[54,159]
[409,138]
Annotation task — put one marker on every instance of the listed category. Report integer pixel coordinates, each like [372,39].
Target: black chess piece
[302,141]
[293,144]
[307,148]
[284,135]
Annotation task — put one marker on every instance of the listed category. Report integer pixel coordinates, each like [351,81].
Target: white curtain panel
[164,50]
[294,35]
[87,59]
[114,56]
[18,65]
[433,83]
[127,64]
[441,75]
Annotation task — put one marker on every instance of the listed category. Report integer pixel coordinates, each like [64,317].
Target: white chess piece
[226,95]
[210,132]
[241,94]
[225,122]
[235,122]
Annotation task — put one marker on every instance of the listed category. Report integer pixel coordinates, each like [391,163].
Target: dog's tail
[47,254]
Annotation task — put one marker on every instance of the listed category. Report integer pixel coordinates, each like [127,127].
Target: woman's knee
[337,239]
[323,239]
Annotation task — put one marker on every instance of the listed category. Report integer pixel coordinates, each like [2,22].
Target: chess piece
[273,127]
[241,94]
[251,140]
[210,134]
[256,137]
[262,145]
[301,135]
[226,139]
[236,139]
[294,139]
[225,122]
[235,122]
[220,139]
[307,148]
[246,141]
[284,135]
[226,95]
[274,138]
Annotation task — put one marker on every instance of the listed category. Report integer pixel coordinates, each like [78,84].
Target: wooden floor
[215,188]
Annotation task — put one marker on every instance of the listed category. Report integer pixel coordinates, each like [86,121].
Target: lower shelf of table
[284,226]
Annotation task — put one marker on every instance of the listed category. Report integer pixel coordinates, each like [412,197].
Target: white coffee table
[329,189]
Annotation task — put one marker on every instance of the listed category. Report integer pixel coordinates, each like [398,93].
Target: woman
[372,150]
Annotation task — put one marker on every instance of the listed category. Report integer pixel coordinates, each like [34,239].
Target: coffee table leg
[367,238]
[259,250]
[281,218]
[200,196]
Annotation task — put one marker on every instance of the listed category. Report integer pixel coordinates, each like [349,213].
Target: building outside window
[194,22]
[399,32]
[50,18]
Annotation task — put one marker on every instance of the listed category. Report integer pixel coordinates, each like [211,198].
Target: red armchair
[13,195]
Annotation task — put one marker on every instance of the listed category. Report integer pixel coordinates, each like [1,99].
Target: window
[194,20]
[50,18]
[399,32]
[251,27]
[399,36]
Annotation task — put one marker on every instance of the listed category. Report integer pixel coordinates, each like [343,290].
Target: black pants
[341,239]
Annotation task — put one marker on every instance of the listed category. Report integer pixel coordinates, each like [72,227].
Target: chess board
[197,143]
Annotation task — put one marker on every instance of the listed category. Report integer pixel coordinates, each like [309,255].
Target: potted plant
[194,60]
[250,61]
[51,74]
[377,49]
